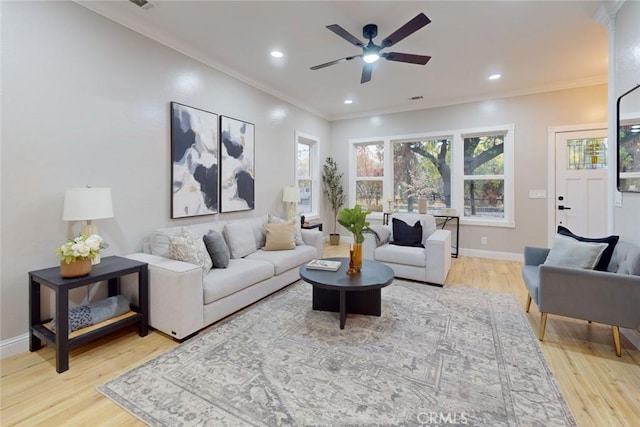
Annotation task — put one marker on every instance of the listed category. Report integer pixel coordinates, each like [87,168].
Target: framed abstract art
[194,161]
[237,165]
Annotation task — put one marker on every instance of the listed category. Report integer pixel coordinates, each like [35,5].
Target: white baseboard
[13,346]
[507,256]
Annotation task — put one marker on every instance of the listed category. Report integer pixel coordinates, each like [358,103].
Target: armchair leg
[528,302]
[543,325]
[615,330]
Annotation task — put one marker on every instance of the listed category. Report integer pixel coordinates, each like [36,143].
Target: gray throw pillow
[217,248]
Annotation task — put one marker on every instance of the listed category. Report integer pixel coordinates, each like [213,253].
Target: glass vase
[355,259]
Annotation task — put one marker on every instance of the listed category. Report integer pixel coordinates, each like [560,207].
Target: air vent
[415,98]
[144,4]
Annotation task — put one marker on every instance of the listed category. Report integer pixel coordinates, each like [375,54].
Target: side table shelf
[111,269]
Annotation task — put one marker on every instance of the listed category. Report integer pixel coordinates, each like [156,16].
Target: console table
[444,220]
[110,269]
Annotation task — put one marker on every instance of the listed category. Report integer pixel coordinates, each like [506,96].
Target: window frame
[457,170]
[313,142]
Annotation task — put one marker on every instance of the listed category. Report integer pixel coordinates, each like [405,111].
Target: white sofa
[183,300]
[430,264]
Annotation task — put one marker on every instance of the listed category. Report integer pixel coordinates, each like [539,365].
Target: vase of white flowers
[76,255]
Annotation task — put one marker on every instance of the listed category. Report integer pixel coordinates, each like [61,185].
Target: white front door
[581,182]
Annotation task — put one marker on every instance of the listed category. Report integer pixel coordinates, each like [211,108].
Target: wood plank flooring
[601,389]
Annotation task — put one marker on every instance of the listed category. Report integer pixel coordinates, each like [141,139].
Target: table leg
[62,329]
[343,308]
[34,314]
[143,300]
[113,286]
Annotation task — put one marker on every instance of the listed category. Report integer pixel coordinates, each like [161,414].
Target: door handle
[563,208]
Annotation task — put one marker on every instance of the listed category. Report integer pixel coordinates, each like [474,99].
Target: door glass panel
[589,153]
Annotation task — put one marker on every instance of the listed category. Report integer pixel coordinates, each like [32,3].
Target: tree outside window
[369,176]
[484,176]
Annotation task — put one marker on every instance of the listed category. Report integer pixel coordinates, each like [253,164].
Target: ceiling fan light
[370,58]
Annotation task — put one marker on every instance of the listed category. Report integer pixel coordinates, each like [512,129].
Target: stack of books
[323,264]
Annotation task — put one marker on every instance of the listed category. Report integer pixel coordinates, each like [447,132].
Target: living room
[86,101]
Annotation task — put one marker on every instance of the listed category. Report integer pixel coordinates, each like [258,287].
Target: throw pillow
[279,236]
[217,248]
[190,248]
[297,233]
[240,239]
[611,241]
[569,252]
[407,235]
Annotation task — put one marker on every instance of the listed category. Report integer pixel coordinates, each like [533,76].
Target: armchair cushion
[407,235]
[611,241]
[569,252]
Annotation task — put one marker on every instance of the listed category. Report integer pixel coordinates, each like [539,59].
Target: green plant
[332,180]
[80,248]
[354,220]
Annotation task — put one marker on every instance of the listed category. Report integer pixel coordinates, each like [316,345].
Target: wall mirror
[628,115]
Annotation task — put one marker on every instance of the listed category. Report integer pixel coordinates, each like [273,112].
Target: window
[369,175]
[307,175]
[469,170]
[422,170]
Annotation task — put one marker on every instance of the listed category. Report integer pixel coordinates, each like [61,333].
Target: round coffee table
[337,292]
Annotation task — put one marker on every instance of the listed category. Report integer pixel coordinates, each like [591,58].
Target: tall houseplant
[355,220]
[332,180]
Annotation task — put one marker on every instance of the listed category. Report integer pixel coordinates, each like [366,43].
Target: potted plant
[355,220]
[332,180]
[76,255]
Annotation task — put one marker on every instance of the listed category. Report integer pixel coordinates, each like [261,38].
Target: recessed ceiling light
[276,54]
[348,101]
[495,76]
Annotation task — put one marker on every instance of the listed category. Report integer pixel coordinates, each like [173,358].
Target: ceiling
[535,45]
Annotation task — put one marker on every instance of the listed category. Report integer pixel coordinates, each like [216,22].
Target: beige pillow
[279,236]
[297,233]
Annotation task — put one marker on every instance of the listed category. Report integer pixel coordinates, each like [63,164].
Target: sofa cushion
[272,219]
[283,261]
[279,236]
[626,259]
[407,235]
[611,241]
[240,239]
[428,223]
[406,255]
[569,252]
[159,240]
[240,274]
[190,248]
[217,248]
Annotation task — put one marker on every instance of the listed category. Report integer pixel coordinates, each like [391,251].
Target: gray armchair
[611,297]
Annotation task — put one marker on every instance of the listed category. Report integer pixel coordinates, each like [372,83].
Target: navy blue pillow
[406,235]
[603,263]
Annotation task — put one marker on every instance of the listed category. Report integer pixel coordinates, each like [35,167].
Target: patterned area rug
[445,356]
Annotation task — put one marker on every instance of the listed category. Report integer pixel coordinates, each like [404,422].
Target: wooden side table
[110,269]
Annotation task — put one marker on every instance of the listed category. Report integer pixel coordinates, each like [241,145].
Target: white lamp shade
[291,194]
[87,203]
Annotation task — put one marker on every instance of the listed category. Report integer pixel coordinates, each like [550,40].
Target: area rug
[445,356]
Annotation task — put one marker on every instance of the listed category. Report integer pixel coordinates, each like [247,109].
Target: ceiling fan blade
[406,57]
[345,35]
[337,61]
[406,30]
[366,73]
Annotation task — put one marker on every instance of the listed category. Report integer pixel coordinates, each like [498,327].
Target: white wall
[86,101]
[532,116]
[627,65]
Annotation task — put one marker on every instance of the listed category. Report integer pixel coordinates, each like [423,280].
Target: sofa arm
[313,238]
[438,253]
[599,296]
[377,235]
[535,256]
[176,305]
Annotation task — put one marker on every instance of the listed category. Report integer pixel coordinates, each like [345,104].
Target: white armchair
[428,264]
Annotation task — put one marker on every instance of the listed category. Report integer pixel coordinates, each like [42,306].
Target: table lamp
[87,204]
[291,196]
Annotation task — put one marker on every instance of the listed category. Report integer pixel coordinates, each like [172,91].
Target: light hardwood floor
[601,389]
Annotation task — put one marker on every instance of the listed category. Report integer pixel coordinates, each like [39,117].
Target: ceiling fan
[371,52]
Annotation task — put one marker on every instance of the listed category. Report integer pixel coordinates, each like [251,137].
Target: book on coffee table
[323,264]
